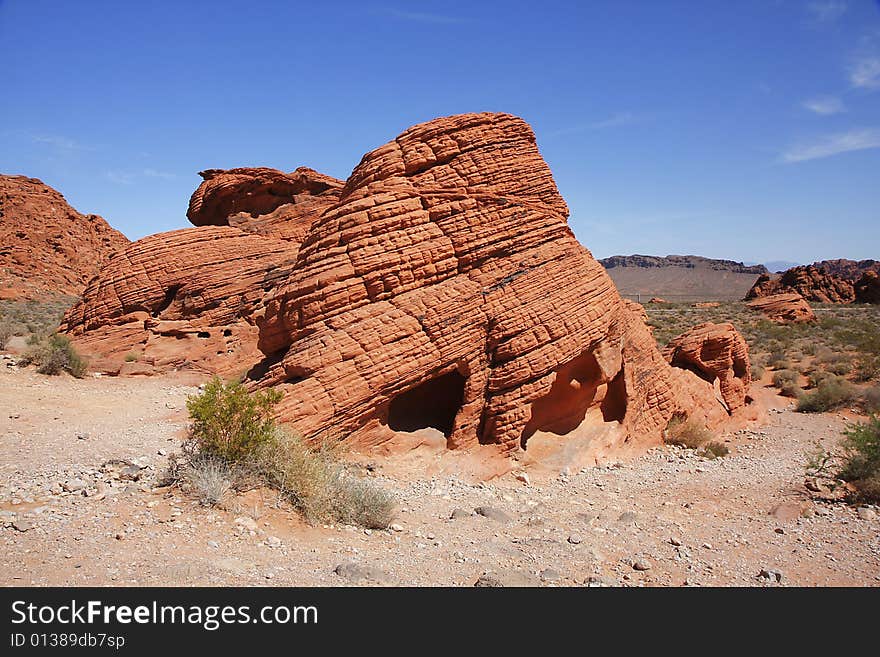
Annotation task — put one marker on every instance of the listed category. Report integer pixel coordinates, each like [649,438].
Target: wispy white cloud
[865,72]
[59,142]
[120,177]
[622,118]
[824,105]
[130,177]
[421,17]
[844,142]
[826,11]
[613,121]
[152,173]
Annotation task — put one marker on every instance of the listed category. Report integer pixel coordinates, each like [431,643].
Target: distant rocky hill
[681,277]
[686,261]
[47,247]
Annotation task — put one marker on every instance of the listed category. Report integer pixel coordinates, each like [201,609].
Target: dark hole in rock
[204,334]
[227,333]
[614,405]
[167,300]
[260,369]
[433,403]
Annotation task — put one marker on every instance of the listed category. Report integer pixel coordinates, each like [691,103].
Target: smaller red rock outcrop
[657,300]
[812,283]
[186,298]
[717,353]
[47,247]
[868,288]
[262,200]
[786,308]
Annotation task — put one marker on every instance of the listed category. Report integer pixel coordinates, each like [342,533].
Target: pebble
[866,513]
[641,565]
[575,539]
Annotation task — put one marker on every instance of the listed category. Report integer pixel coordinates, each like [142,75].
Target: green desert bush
[229,422]
[831,393]
[53,355]
[861,453]
[234,439]
[686,433]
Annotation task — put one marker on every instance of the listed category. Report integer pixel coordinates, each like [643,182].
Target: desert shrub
[831,393]
[757,372]
[54,355]
[861,453]
[132,356]
[234,439]
[791,389]
[208,478]
[229,422]
[778,360]
[867,368]
[7,330]
[686,433]
[871,399]
[715,449]
[319,484]
[783,377]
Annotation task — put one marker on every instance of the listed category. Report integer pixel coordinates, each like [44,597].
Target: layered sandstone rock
[263,201]
[784,308]
[183,298]
[812,283]
[718,354]
[47,247]
[867,288]
[445,290]
[189,298]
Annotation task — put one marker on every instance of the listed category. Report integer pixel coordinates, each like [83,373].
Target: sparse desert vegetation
[235,443]
[53,355]
[823,365]
[26,318]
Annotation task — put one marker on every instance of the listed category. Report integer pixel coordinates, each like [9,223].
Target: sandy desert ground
[70,515]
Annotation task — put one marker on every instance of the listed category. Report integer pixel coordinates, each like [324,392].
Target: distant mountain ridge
[685,261]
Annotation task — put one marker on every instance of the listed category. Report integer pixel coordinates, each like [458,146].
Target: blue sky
[746,130]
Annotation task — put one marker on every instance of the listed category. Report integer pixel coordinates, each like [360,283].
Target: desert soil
[666,518]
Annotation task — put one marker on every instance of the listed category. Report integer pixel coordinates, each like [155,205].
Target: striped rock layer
[718,354]
[445,289]
[189,298]
[783,308]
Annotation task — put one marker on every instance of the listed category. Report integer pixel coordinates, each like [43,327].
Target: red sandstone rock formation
[189,298]
[784,308]
[812,283]
[867,288]
[850,270]
[705,304]
[182,298]
[47,247]
[718,354]
[657,300]
[445,289]
[263,201]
